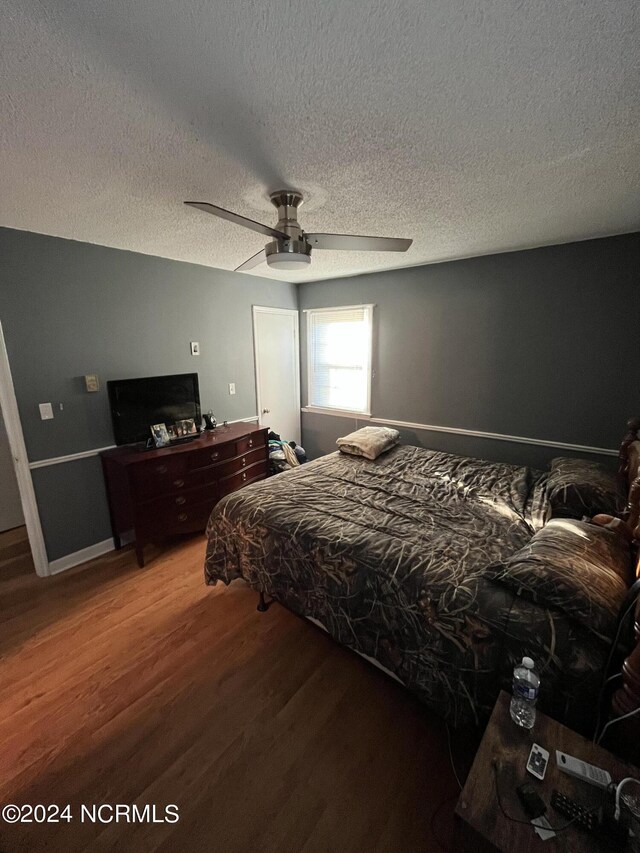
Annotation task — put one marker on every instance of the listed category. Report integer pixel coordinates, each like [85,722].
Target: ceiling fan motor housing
[288,246]
[288,254]
[287,203]
[294,253]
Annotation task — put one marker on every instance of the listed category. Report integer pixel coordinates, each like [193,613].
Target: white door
[10,506]
[277,355]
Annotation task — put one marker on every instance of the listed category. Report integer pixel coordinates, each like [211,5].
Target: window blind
[339,353]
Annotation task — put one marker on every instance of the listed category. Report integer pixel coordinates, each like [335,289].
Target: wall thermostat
[46,411]
[91,382]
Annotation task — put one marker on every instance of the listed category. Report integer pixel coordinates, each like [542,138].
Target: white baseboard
[82,556]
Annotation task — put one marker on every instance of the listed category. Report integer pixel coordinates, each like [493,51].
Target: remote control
[586,818]
[537,761]
[581,770]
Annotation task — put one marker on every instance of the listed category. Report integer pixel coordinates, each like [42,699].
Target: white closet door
[277,356]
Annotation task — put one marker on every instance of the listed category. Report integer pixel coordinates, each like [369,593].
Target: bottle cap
[528,662]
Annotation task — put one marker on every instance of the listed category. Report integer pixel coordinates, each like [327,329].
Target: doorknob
[266,411]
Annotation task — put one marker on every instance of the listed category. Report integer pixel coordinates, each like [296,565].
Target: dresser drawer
[176,519]
[240,463]
[179,500]
[249,442]
[158,476]
[230,484]
[211,455]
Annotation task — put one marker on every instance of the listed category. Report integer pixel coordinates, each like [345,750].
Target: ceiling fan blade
[230,216]
[252,262]
[356,243]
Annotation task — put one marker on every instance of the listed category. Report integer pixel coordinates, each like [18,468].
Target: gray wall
[70,308]
[541,343]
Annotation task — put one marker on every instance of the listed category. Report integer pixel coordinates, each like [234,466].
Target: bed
[402,559]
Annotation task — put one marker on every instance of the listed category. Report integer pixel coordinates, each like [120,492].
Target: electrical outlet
[46,411]
[232,388]
[195,348]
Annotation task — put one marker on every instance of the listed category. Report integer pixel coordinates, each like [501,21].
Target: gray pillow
[579,568]
[579,487]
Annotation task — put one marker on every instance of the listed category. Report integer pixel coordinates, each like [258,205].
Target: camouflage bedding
[390,557]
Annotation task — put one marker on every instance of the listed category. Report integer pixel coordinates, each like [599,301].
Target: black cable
[629,603]
[508,817]
[453,766]
[494,764]
[432,827]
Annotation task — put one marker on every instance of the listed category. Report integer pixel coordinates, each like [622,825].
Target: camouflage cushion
[573,566]
[579,487]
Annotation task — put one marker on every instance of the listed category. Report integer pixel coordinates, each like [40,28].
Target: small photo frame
[172,432]
[185,427]
[160,435]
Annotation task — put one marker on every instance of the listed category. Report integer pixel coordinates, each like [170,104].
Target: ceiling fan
[291,247]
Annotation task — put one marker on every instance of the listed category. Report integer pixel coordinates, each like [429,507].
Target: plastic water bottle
[526,684]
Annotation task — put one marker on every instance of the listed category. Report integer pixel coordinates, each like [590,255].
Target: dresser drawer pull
[244,461]
[181,500]
[250,442]
[183,516]
[215,455]
[161,469]
[244,475]
[178,483]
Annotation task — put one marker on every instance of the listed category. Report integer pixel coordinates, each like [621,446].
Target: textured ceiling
[472,127]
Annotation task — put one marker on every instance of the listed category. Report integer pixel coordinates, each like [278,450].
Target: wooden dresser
[156,493]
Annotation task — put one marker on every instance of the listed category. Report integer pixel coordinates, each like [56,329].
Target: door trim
[259,309]
[13,426]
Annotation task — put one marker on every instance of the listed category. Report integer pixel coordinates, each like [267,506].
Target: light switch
[91,382]
[46,411]
[195,348]
[232,388]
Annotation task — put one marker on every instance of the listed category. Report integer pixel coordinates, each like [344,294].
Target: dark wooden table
[481,826]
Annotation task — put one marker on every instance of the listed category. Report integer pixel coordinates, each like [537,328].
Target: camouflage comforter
[390,557]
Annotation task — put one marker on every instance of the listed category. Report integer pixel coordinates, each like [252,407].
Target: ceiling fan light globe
[288,260]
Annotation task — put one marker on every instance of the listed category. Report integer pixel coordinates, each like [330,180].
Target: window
[339,358]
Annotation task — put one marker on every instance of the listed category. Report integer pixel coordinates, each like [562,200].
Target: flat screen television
[136,404]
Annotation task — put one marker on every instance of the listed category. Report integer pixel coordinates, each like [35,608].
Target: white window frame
[329,410]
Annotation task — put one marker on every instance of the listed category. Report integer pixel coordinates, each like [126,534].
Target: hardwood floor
[127,685]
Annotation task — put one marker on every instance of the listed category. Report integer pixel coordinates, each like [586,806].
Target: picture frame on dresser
[160,435]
